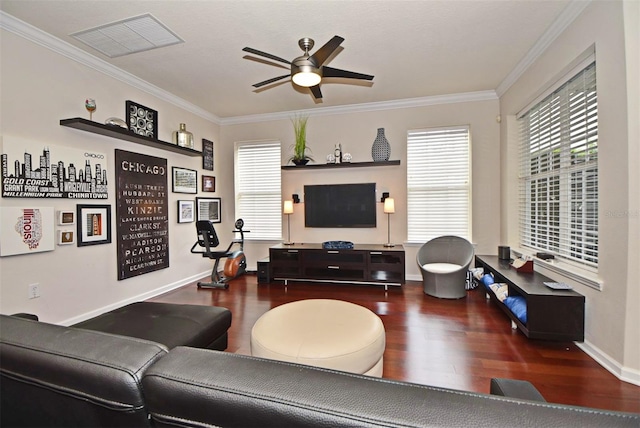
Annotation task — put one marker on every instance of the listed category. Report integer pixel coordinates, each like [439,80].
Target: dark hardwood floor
[458,344]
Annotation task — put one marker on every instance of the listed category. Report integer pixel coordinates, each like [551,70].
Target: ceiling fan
[308,70]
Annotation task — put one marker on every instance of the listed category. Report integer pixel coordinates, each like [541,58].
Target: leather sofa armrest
[26,316]
[514,388]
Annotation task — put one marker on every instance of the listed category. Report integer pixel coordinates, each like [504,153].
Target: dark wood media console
[551,314]
[364,264]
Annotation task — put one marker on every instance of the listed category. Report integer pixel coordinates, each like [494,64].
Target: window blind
[257,188]
[438,183]
[559,171]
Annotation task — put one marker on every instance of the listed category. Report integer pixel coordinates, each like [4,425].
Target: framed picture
[66,218]
[66,237]
[207,155]
[209,209]
[141,120]
[208,183]
[184,180]
[186,211]
[94,224]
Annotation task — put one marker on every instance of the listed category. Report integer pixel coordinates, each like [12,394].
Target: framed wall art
[208,183]
[94,224]
[207,155]
[142,120]
[66,237]
[186,211]
[26,230]
[66,218]
[184,180]
[209,209]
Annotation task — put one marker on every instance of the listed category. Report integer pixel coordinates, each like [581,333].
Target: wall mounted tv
[340,205]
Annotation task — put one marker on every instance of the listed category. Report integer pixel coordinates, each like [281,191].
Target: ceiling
[413,48]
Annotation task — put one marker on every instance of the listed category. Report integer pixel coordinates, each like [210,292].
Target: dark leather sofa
[65,376]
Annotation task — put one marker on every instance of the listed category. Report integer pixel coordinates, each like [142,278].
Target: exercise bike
[236,263]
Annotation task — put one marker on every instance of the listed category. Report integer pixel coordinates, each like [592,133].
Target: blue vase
[381,150]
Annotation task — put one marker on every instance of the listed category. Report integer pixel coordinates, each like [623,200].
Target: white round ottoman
[324,333]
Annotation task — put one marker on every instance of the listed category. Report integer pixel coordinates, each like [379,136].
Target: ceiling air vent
[131,35]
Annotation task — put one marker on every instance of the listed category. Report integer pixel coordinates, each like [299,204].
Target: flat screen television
[340,205]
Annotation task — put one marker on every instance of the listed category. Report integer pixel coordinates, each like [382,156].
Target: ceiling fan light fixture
[306,78]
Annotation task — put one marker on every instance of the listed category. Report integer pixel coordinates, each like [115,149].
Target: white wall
[356,132]
[40,87]
[612,317]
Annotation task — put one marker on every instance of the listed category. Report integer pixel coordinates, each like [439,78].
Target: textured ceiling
[413,48]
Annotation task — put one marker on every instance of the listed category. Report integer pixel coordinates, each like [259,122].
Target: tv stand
[366,264]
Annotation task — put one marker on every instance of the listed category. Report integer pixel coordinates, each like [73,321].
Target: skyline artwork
[32,169]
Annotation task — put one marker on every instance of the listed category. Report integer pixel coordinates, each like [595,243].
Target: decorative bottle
[182,137]
[381,150]
[337,153]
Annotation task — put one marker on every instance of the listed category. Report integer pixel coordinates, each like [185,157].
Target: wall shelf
[125,134]
[342,165]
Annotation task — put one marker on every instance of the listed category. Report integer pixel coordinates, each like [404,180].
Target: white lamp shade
[306,79]
[389,206]
[288,207]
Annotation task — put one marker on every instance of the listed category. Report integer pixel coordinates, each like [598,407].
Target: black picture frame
[209,209]
[207,155]
[93,224]
[184,180]
[141,120]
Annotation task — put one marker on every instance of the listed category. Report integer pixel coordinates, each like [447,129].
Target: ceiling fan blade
[336,72]
[315,90]
[266,82]
[266,55]
[325,51]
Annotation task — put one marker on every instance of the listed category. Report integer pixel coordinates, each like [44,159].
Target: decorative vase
[381,150]
[300,161]
[182,137]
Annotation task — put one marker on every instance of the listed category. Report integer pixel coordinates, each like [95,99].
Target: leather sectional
[66,376]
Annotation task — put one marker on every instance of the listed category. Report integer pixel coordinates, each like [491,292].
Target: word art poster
[41,170]
[26,230]
[142,214]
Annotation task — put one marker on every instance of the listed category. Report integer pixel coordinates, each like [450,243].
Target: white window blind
[438,183]
[559,171]
[257,188]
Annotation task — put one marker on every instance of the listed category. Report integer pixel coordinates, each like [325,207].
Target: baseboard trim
[623,373]
[137,298]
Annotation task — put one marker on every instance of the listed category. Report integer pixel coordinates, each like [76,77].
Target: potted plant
[300,156]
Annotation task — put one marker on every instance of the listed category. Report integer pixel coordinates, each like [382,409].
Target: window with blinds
[559,171]
[257,188]
[438,183]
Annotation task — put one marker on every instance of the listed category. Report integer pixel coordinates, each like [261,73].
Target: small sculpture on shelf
[337,152]
[114,121]
[90,105]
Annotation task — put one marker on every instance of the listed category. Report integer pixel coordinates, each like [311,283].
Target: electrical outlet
[34,291]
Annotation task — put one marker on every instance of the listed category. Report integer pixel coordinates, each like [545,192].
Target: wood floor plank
[458,344]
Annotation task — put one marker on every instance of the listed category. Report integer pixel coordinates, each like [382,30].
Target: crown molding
[366,107]
[35,35]
[568,15]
